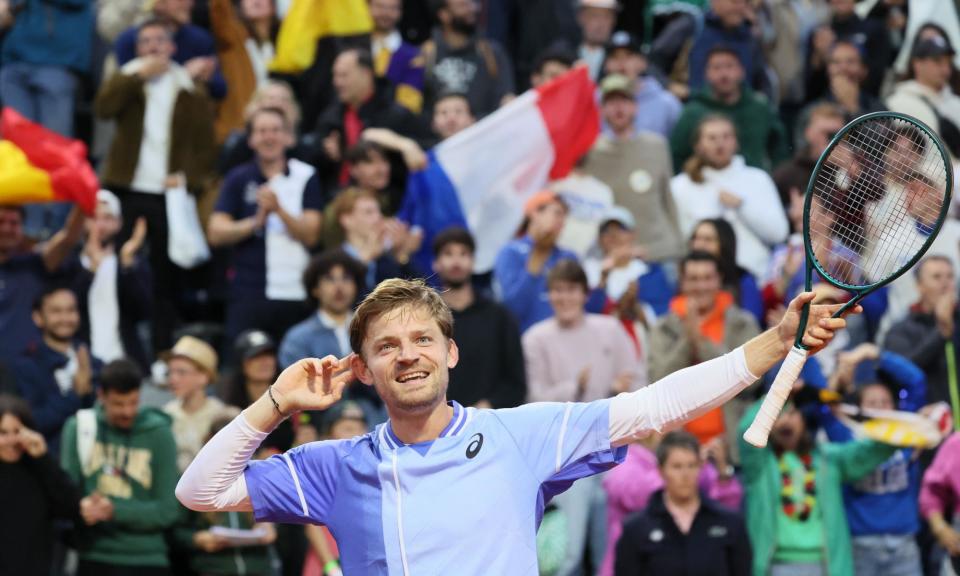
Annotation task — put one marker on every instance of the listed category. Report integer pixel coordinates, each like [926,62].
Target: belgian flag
[38,165]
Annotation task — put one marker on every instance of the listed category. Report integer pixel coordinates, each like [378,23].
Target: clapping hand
[128,252]
[96,508]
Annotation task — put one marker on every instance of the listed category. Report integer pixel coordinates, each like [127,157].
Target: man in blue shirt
[440,487]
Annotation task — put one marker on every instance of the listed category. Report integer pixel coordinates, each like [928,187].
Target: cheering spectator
[269,211]
[244,49]
[680,519]
[759,132]
[716,183]
[124,460]
[847,77]
[554,61]
[630,485]
[191,369]
[24,274]
[34,492]
[636,166]
[393,58]
[458,60]
[928,336]
[57,376]
[940,499]
[658,109]
[822,123]
[589,200]
[451,114]
[715,236]
[521,268]
[491,374]
[113,287]
[725,25]
[596,19]
[193,47]
[704,322]
[794,508]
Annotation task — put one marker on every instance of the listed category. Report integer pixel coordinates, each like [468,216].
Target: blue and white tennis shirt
[466,503]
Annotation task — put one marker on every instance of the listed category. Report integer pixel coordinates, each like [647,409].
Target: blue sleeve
[230,200]
[50,410]
[298,486]
[908,377]
[563,441]
[125,46]
[596,301]
[292,348]
[519,290]
[812,374]
[312,194]
[874,307]
[217,85]
[834,429]
[654,288]
[750,298]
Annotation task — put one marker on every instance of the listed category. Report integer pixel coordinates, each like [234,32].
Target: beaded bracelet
[276,406]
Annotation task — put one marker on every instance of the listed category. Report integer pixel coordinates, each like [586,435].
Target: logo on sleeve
[473,448]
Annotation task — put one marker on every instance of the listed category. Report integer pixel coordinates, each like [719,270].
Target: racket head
[878,176]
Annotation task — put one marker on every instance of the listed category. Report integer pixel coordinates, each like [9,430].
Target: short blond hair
[394,294]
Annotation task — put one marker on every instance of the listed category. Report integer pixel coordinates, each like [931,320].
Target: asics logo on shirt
[473,448]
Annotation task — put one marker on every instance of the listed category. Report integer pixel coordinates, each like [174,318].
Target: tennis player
[440,488]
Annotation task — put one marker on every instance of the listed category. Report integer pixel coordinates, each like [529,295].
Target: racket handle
[759,431]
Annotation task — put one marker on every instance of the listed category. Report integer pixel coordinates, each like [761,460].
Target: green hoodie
[137,470]
[762,139]
[834,465]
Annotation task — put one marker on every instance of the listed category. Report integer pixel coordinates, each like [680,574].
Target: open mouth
[412,377]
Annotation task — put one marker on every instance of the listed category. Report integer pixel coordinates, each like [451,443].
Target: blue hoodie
[51,33]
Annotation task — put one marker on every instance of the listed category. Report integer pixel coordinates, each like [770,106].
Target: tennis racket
[875,202]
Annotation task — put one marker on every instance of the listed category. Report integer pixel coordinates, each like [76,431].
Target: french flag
[481,177]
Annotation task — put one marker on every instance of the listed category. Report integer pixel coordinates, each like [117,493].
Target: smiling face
[10,448]
[407,359]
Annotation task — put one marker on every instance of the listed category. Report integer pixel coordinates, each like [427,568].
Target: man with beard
[491,374]
[56,376]
[113,287]
[457,60]
[794,501]
[822,123]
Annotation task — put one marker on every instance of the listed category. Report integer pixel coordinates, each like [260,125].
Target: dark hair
[849,41]
[694,165]
[324,263]
[448,94]
[47,292]
[158,22]
[918,269]
[121,376]
[17,407]
[721,49]
[364,58]
[568,270]
[19,209]
[727,261]
[677,440]
[363,151]
[699,256]
[559,52]
[453,235]
[858,393]
[267,110]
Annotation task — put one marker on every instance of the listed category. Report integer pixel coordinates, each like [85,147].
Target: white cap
[110,199]
[620,215]
[608,4]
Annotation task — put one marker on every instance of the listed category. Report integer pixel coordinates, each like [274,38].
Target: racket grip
[759,431]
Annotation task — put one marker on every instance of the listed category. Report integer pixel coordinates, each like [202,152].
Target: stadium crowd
[674,240]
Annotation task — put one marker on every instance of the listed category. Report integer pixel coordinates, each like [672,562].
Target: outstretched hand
[313,383]
[821,326]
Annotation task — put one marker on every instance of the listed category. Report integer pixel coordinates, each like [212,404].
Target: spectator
[760,134]
[939,500]
[34,492]
[630,485]
[46,52]
[458,60]
[596,19]
[926,94]
[269,211]
[715,236]
[821,124]
[521,268]
[191,369]
[393,58]
[57,376]
[636,166]
[491,374]
[882,506]
[554,61]
[794,506]
[124,460]
[113,287]
[164,133]
[362,102]
[589,200]
[716,183]
[24,274]
[928,336]
[684,521]
[245,47]
[703,323]
[846,80]
[725,25]
[620,264]
[451,114]
[193,47]
[658,109]
[578,357]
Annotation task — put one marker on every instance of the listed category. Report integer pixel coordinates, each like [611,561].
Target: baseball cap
[343,410]
[110,199]
[196,351]
[624,40]
[617,84]
[253,343]
[540,199]
[620,215]
[932,48]
[608,4]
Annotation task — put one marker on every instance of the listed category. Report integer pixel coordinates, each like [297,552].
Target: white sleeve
[214,480]
[679,397]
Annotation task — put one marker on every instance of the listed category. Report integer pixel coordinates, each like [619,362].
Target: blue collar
[460,418]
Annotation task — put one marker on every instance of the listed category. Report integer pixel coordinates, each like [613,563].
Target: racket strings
[876,199]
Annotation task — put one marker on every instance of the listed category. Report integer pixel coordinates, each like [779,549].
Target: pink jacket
[630,485]
[941,482]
